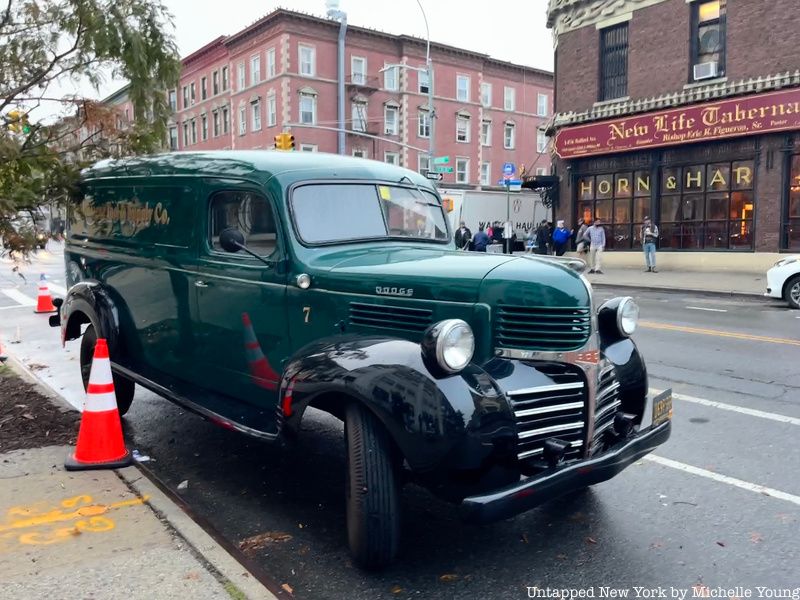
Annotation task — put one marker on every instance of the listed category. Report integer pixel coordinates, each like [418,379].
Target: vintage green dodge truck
[248,286]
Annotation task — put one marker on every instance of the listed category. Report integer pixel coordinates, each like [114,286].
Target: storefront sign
[776,111]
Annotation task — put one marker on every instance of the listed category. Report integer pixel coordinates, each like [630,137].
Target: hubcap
[794,293]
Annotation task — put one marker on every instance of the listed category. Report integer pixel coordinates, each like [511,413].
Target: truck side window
[248,212]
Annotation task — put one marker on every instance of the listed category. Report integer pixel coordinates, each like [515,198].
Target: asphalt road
[718,505]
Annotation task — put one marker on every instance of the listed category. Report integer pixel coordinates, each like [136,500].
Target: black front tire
[373,491]
[123,387]
[792,292]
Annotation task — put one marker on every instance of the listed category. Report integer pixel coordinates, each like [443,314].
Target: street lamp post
[341,16]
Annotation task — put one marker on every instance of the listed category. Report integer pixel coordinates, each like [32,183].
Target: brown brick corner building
[684,110]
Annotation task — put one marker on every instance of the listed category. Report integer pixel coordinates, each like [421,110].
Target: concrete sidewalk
[727,283]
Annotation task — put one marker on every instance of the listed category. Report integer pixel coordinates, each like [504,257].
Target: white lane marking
[750,412]
[708,309]
[739,483]
[57,288]
[14,306]
[19,297]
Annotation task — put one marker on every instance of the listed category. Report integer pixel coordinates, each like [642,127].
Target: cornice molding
[567,15]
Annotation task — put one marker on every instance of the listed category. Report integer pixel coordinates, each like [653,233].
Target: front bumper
[775,280]
[555,482]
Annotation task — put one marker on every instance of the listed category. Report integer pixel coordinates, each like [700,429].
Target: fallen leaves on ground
[591,540]
[397,590]
[261,540]
[756,537]
[448,577]
[287,588]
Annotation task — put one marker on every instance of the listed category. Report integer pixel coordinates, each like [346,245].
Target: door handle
[200,284]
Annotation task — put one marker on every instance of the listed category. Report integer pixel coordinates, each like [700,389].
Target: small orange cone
[100,444]
[260,369]
[44,303]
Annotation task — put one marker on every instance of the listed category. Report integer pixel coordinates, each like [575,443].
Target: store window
[791,215]
[621,201]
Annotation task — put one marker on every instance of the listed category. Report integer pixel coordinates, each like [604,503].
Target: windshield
[327,213]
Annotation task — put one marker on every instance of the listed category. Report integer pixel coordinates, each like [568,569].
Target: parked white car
[783,280]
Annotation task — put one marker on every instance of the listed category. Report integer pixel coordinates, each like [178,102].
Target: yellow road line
[718,333]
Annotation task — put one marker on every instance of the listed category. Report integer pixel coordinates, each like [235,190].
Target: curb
[677,290]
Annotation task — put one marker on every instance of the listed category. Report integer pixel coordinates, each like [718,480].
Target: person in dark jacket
[542,238]
[497,233]
[480,241]
[463,237]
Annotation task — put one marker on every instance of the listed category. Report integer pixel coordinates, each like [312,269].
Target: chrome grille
[607,401]
[550,411]
[386,316]
[542,328]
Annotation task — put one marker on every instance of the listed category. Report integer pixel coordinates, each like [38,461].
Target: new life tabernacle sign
[764,113]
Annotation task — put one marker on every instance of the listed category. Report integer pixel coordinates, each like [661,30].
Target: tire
[372,490]
[123,387]
[792,292]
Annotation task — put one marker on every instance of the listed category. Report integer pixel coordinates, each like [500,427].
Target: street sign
[508,170]
[443,169]
[441,160]
[510,182]
[434,176]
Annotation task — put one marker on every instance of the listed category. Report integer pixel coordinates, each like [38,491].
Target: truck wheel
[123,387]
[373,502]
[792,292]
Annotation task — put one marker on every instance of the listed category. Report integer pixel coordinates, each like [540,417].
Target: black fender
[89,301]
[440,423]
[631,373]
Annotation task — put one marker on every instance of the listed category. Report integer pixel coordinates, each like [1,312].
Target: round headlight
[454,344]
[627,316]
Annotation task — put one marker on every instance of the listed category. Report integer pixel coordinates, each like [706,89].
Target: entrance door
[241,309]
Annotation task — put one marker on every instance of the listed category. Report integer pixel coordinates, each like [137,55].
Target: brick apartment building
[280,73]
[685,110]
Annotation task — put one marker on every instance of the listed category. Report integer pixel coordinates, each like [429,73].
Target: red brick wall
[762,37]
[576,69]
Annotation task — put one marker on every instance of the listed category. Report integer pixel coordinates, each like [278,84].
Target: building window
[185,134]
[509,98]
[359,153]
[215,83]
[390,120]
[272,110]
[486,94]
[462,170]
[391,79]
[185,97]
[271,68]
[192,92]
[462,129]
[226,120]
[358,70]
[621,201]
[462,88]
[486,173]
[541,142]
[509,136]
[392,158]
[791,214]
[308,109]
[173,138]
[173,101]
[203,88]
[256,116]
[359,116]
[225,81]
[307,60]
[486,132]
[424,81]
[708,40]
[542,105]
[308,147]
[240,74]
[194,131]
[424,129]
[614,62]
[423,163]
[242,120]
[255,70]
[215,120]
[204,127]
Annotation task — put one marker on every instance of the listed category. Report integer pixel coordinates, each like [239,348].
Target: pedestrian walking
[480,241]
[649,239]
[530,241]
[542,239]
[561,237]
[463,237]
[596,236]
[580,244]
[508,237]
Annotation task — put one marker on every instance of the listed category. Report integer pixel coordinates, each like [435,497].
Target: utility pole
[431,111]
[341,16]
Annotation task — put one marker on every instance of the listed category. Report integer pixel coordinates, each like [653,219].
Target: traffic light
[284,141]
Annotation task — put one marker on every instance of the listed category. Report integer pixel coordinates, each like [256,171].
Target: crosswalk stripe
[57,289]
[19,297]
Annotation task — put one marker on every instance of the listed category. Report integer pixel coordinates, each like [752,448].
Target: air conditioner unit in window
[706,70]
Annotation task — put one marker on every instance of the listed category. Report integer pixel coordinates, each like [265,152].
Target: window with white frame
[391,79]
[256,108]
[192,92]
[185,97]
[390,120]
[424,126]
[462,170]
[392,158]
[215,83]
[271,66]
[541,142]
[359,153]
[358,70]
[486,94]
[194,131]
[542,105]
[486,173]
[215,120]
[308,109]
[509,136]
[240,74]
[423,77]
[509,98]
[255,69]
[423,163]
[541,170]
[308,148]
[486,132]
[173,138]
[359,115]
[203,88]
[242,120]
[272,110]
[462,128]
[204,127]
[462,88]
[173,100]
[226,120]
[308,60]
[224,79]
[185,134]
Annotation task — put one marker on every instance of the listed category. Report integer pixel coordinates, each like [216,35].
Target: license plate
[662,407]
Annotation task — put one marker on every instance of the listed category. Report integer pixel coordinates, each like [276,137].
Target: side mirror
[231,239]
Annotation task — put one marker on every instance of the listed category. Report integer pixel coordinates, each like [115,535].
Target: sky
[513,30]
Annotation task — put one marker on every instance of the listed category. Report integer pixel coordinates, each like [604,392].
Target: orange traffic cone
[44,303]
[262,372]
[100,444]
